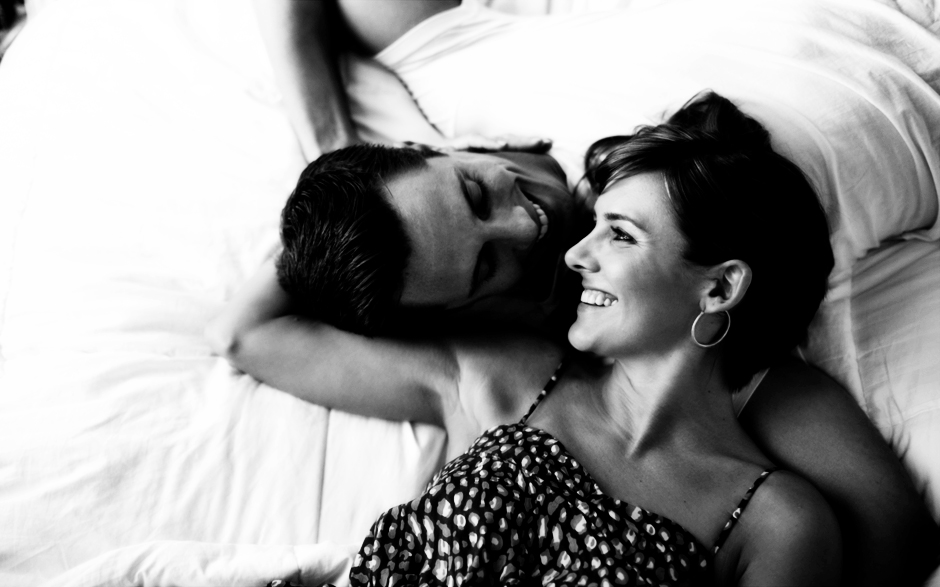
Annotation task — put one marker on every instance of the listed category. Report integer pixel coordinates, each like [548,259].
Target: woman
[629,470]
[681,237]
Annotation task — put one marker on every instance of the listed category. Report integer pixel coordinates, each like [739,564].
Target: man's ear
[727,284]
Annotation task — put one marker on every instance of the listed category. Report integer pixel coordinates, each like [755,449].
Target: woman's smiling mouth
[593,297]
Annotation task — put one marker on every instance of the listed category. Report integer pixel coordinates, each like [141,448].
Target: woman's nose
[579,258]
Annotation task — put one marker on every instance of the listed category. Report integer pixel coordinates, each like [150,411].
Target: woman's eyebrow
[615,216]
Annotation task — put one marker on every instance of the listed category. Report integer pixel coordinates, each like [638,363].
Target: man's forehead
[428,201]
[411,190]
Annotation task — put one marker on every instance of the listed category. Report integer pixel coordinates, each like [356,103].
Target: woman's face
[640,295]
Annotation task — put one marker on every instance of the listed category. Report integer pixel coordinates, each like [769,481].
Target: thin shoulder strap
[545,390]
[729,525]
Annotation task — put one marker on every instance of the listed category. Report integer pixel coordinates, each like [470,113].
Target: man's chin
[544,270]
[496,313]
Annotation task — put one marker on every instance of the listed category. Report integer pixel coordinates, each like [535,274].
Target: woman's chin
[582,340]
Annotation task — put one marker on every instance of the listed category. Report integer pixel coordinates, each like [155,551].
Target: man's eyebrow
[614,216]
[474,279]
[462,182]
[475,276]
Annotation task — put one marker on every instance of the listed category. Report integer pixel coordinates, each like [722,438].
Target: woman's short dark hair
[734,197]
[344,244]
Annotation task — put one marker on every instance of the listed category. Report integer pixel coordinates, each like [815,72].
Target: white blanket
[144,158]
[167,563]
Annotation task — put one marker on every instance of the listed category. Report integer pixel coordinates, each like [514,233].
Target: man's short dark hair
[345,248]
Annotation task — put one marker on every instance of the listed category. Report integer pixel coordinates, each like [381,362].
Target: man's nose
[509,222]
[511,225]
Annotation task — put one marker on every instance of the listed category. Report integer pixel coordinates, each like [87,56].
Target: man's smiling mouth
[543,219]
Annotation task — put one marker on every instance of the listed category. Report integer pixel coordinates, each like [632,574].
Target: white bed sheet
[896,330]
[144,161]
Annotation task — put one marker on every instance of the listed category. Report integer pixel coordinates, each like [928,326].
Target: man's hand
[480,144]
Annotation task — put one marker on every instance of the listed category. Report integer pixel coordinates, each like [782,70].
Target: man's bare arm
[396,380]
[806,423]
[304,39]
[301,37]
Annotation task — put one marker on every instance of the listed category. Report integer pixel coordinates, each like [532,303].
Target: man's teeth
[597,298]
[543,220]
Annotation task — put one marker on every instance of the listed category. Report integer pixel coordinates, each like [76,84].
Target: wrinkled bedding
[144,158]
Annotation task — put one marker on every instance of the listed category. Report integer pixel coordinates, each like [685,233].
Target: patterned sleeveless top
[517,509]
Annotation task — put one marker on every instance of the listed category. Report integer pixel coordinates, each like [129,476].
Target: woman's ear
[728,282]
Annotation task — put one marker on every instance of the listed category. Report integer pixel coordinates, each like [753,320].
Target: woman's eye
[622,236]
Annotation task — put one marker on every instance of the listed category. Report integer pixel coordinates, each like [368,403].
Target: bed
[144,158]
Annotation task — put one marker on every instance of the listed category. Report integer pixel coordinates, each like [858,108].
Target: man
[372,229]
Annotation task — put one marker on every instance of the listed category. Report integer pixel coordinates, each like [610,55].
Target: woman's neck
[677,397]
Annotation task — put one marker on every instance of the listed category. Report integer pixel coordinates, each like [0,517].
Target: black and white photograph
[301,293]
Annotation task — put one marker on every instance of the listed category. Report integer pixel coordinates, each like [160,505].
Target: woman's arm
[396,380]
[806,423]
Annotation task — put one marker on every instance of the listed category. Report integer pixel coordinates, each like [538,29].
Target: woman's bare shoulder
[788,535]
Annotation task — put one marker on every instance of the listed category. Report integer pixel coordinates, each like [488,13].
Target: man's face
[480,225]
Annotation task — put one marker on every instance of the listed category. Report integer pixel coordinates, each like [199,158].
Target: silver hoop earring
[721,338]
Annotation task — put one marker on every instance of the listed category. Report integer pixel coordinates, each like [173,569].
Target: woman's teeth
[543,220]
[597,298]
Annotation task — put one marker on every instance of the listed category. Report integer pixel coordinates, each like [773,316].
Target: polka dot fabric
[516,509]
